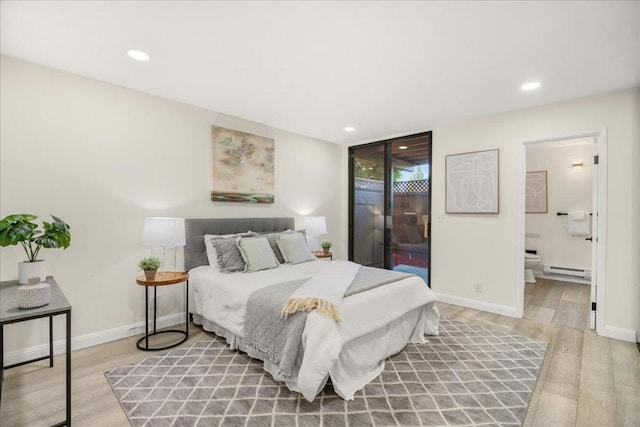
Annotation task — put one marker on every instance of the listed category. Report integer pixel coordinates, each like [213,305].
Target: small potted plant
[150,266]
[325,247]
[20,228]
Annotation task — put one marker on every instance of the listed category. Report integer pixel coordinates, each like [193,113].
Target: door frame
[598,278]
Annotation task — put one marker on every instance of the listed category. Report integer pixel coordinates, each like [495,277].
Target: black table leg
[68,360]
[146,318]
[186,284]
[1,361]
[51,341]
[155,308]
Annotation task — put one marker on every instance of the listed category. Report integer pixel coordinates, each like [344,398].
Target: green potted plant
[150,266]
[20,228]
[326,246]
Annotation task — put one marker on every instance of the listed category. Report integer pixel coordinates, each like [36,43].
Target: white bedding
[375,324]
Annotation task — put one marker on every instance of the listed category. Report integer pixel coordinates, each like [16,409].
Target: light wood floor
[586,380]
[560,303]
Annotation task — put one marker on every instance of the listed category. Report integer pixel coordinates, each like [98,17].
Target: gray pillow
[273,242]
[294,247]
[228,254]
[212,257]
[256,253]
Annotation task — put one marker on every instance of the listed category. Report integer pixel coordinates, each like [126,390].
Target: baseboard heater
[578,273]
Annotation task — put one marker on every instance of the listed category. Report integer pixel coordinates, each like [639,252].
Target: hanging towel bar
[565,213]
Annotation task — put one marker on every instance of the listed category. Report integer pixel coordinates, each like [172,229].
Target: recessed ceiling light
[349,129]
[530,86]
[402,147]
[138,55]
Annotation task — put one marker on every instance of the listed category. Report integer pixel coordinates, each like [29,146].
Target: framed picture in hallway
[243,167]
[472,182]
[536,192]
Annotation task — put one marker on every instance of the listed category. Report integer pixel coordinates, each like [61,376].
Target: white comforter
[222,299]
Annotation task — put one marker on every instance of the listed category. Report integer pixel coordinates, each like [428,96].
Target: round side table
[163,278]
[321,254]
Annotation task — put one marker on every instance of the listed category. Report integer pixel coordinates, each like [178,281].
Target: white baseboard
[618,333]
[90,340]
[504,310]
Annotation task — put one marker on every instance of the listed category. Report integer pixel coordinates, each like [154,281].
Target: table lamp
[164,233]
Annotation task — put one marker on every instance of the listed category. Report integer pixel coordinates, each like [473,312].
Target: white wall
[472,248]
[567,189]
[103,158]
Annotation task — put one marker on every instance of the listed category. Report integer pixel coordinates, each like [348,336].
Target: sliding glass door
[390,204]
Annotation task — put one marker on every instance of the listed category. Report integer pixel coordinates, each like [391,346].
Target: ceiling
[386,68]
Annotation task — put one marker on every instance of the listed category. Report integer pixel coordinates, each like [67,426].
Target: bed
[374,324]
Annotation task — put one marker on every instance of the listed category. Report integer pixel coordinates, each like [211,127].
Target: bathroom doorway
[563,257]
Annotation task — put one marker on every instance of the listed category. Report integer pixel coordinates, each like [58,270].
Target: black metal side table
[10,313]
[162,278]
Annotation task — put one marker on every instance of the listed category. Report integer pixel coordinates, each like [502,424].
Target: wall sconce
[576,164]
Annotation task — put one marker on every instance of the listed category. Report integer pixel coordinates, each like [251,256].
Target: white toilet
[530,261]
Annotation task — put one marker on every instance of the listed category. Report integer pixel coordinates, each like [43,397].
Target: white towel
[578,215]
[579,223]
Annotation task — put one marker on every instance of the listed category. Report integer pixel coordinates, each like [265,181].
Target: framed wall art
[243,167]
[536,192]
[472,182]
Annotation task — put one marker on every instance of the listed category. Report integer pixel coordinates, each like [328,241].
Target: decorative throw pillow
[294,247]
[227,253]
[273,242]
[229,258]
[212,257]
[256,253]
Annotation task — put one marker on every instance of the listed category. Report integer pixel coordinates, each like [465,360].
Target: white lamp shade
[163,232]
[315,225]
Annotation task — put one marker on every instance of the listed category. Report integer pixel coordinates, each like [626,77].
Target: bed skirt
[361,359]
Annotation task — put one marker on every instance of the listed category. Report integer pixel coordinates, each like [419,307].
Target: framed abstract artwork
[243,167]
[472,182]
[536,192]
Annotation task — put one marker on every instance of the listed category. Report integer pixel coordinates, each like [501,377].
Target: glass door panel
[409,246]
[367,228]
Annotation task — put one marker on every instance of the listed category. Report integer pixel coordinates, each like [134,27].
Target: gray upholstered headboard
[195,253]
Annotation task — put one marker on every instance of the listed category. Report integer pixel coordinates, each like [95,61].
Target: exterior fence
[419,186]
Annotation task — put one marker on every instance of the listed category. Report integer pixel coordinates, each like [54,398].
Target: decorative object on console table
[314,227]
[33,295]
[243,167]
[471,182]
[158,232]
[19,228]
[162,278]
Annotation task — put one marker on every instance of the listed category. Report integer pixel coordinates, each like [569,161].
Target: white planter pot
[32,272]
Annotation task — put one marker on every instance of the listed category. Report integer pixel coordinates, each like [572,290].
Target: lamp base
[313,242]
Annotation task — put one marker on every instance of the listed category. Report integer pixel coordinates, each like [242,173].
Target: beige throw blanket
[324,291]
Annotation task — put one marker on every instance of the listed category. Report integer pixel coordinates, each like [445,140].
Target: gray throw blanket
[273,338]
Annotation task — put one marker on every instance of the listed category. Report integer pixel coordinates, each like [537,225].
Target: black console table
[10,313]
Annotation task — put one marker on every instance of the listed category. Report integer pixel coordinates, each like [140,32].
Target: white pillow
[294,247]
[212,256]
[257,254]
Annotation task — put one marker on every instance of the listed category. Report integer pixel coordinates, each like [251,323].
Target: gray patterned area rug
[468,375]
